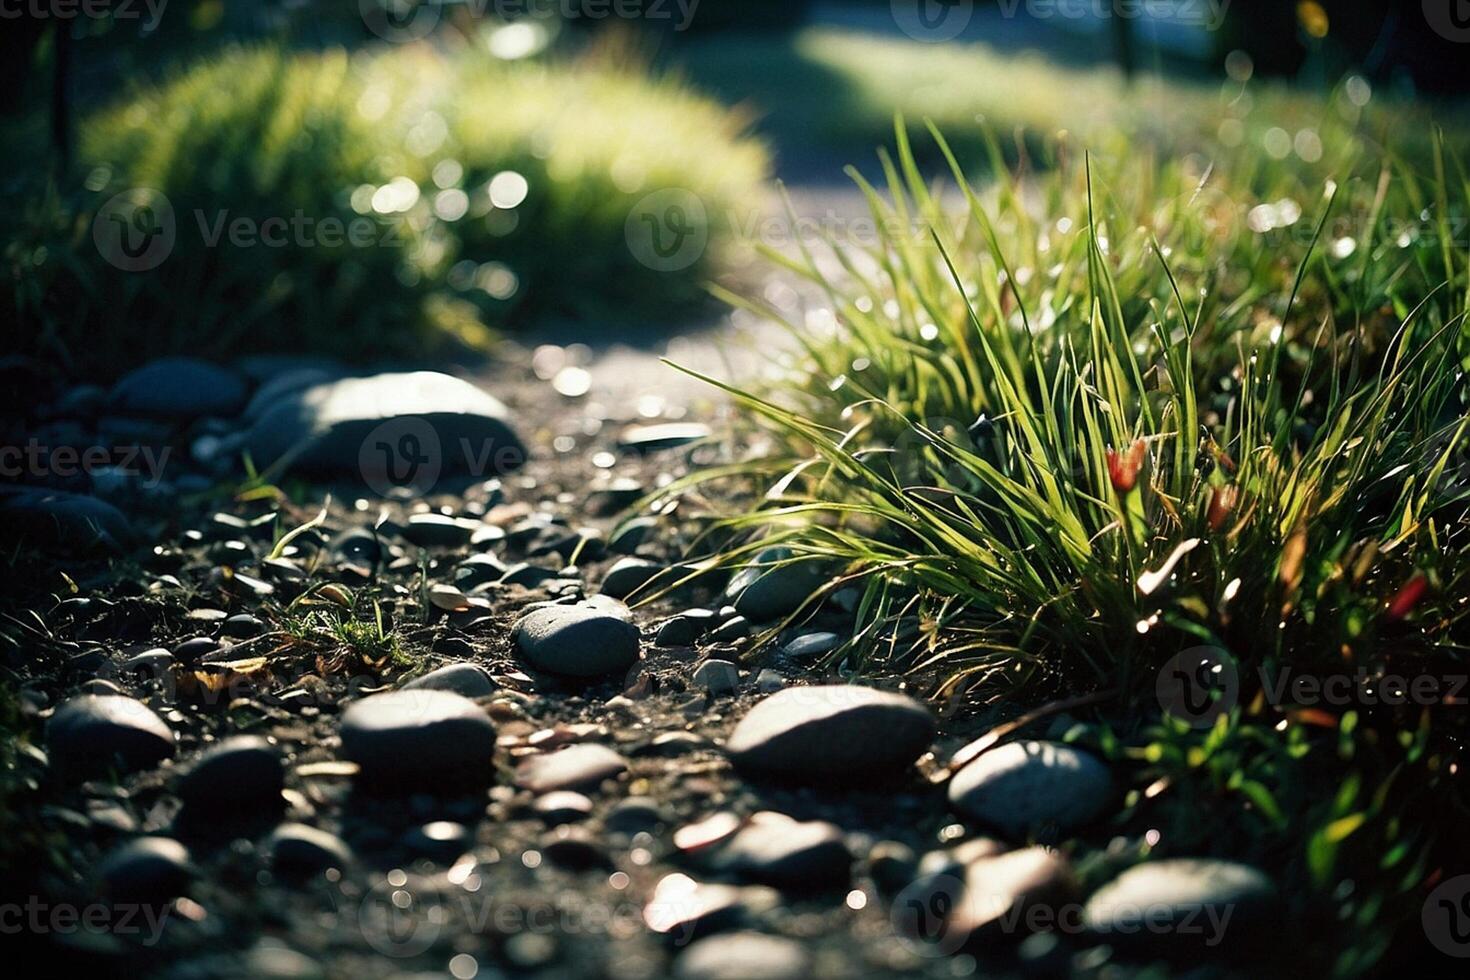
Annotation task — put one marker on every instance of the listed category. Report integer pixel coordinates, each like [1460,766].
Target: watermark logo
[922,915]
[1446,917]
[401,454]
[397,921]
[668,230]
[932,20]
[1449,18]
[135,229]
[400,21]
[150,11]
[1198,685]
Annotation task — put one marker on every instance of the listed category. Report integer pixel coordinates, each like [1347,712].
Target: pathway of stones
[434,732]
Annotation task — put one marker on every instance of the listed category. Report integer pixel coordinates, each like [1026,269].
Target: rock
[439,531]
[684,910]
[562,806]
[1012,894]
[636,814]
[439,840]
[574,849]
[663,435]
[740,955]
[775,584]
[469,679]
[297,849]
[731,630]
[628,575]
[773,849]
[769,682]
[283,385]
[422,425]
[241,773]
[88,736]
[576,767]
[1186,907]
[528,576]
[577,641]
[195,649]
[147,870]
[421,738]
[685,628]
[68,520]
[630,535]
[1032,787]
[834,733]
[617,495]
[242,627]
[892,865]
[476,570]
[810,645]
[178,388]
[717,677]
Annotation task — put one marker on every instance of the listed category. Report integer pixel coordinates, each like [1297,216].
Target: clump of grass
[349,204]
[1105,417]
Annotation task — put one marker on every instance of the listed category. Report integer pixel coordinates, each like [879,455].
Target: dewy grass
[1134,407]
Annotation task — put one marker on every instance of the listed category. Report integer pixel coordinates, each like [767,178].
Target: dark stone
[1025,788]
[577,641]
[424,739]
[629,575]
[89,736]
[684,629]
[148,870]
[240,773]
[775,584]
[178,388]
[576,767]
[469,679]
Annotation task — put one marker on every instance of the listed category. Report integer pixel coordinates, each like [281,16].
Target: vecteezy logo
[1198,685]
[922,915]
[1449,18]
[400,922]
[400,455]
[932,20]
[400,21]
[668,230]
[134,230]
[1446,917]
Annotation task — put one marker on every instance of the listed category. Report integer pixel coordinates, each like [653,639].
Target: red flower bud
[1123,467]
[1222,502]
[1407,597]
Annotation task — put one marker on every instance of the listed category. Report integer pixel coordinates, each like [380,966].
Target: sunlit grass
[1117,411]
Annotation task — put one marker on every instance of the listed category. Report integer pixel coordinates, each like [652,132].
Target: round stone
[773,849]
[577,641]
[148,869]
[1185,905]
[628,575]
[1025,788]
[576,767]
[468,679]
[717,677]
[423,738]
[178,388]
[243,771]
[296,848]
[831,733]
[739,955]
[89,736]
[775,584]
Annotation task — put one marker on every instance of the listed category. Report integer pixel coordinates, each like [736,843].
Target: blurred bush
[367,206]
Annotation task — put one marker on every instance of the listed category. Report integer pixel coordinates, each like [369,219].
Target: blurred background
[390,178]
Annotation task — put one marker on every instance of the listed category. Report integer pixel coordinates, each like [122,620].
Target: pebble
[439,531]
[684,629]
[660,436]
[242,772]
[629,536]
[717,677]
[147,869]
[634,815]
[562,806]
[1001,892]
[1030,787]
[296,848]
[832,733]
[577,641]
[242,627]
[741,955]
[468,679]
[628,575]
[179,389]
[1186,906]
[67,520]
[572,848]
[773,849]
[423,738]
[90,735]
[762,594]
[812,645]
[425,418]
[576,767]
[731,630]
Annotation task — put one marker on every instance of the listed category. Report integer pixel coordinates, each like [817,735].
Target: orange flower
[1123,467]
[1222,502]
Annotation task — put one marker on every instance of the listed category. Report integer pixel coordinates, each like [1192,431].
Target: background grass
[265,133]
